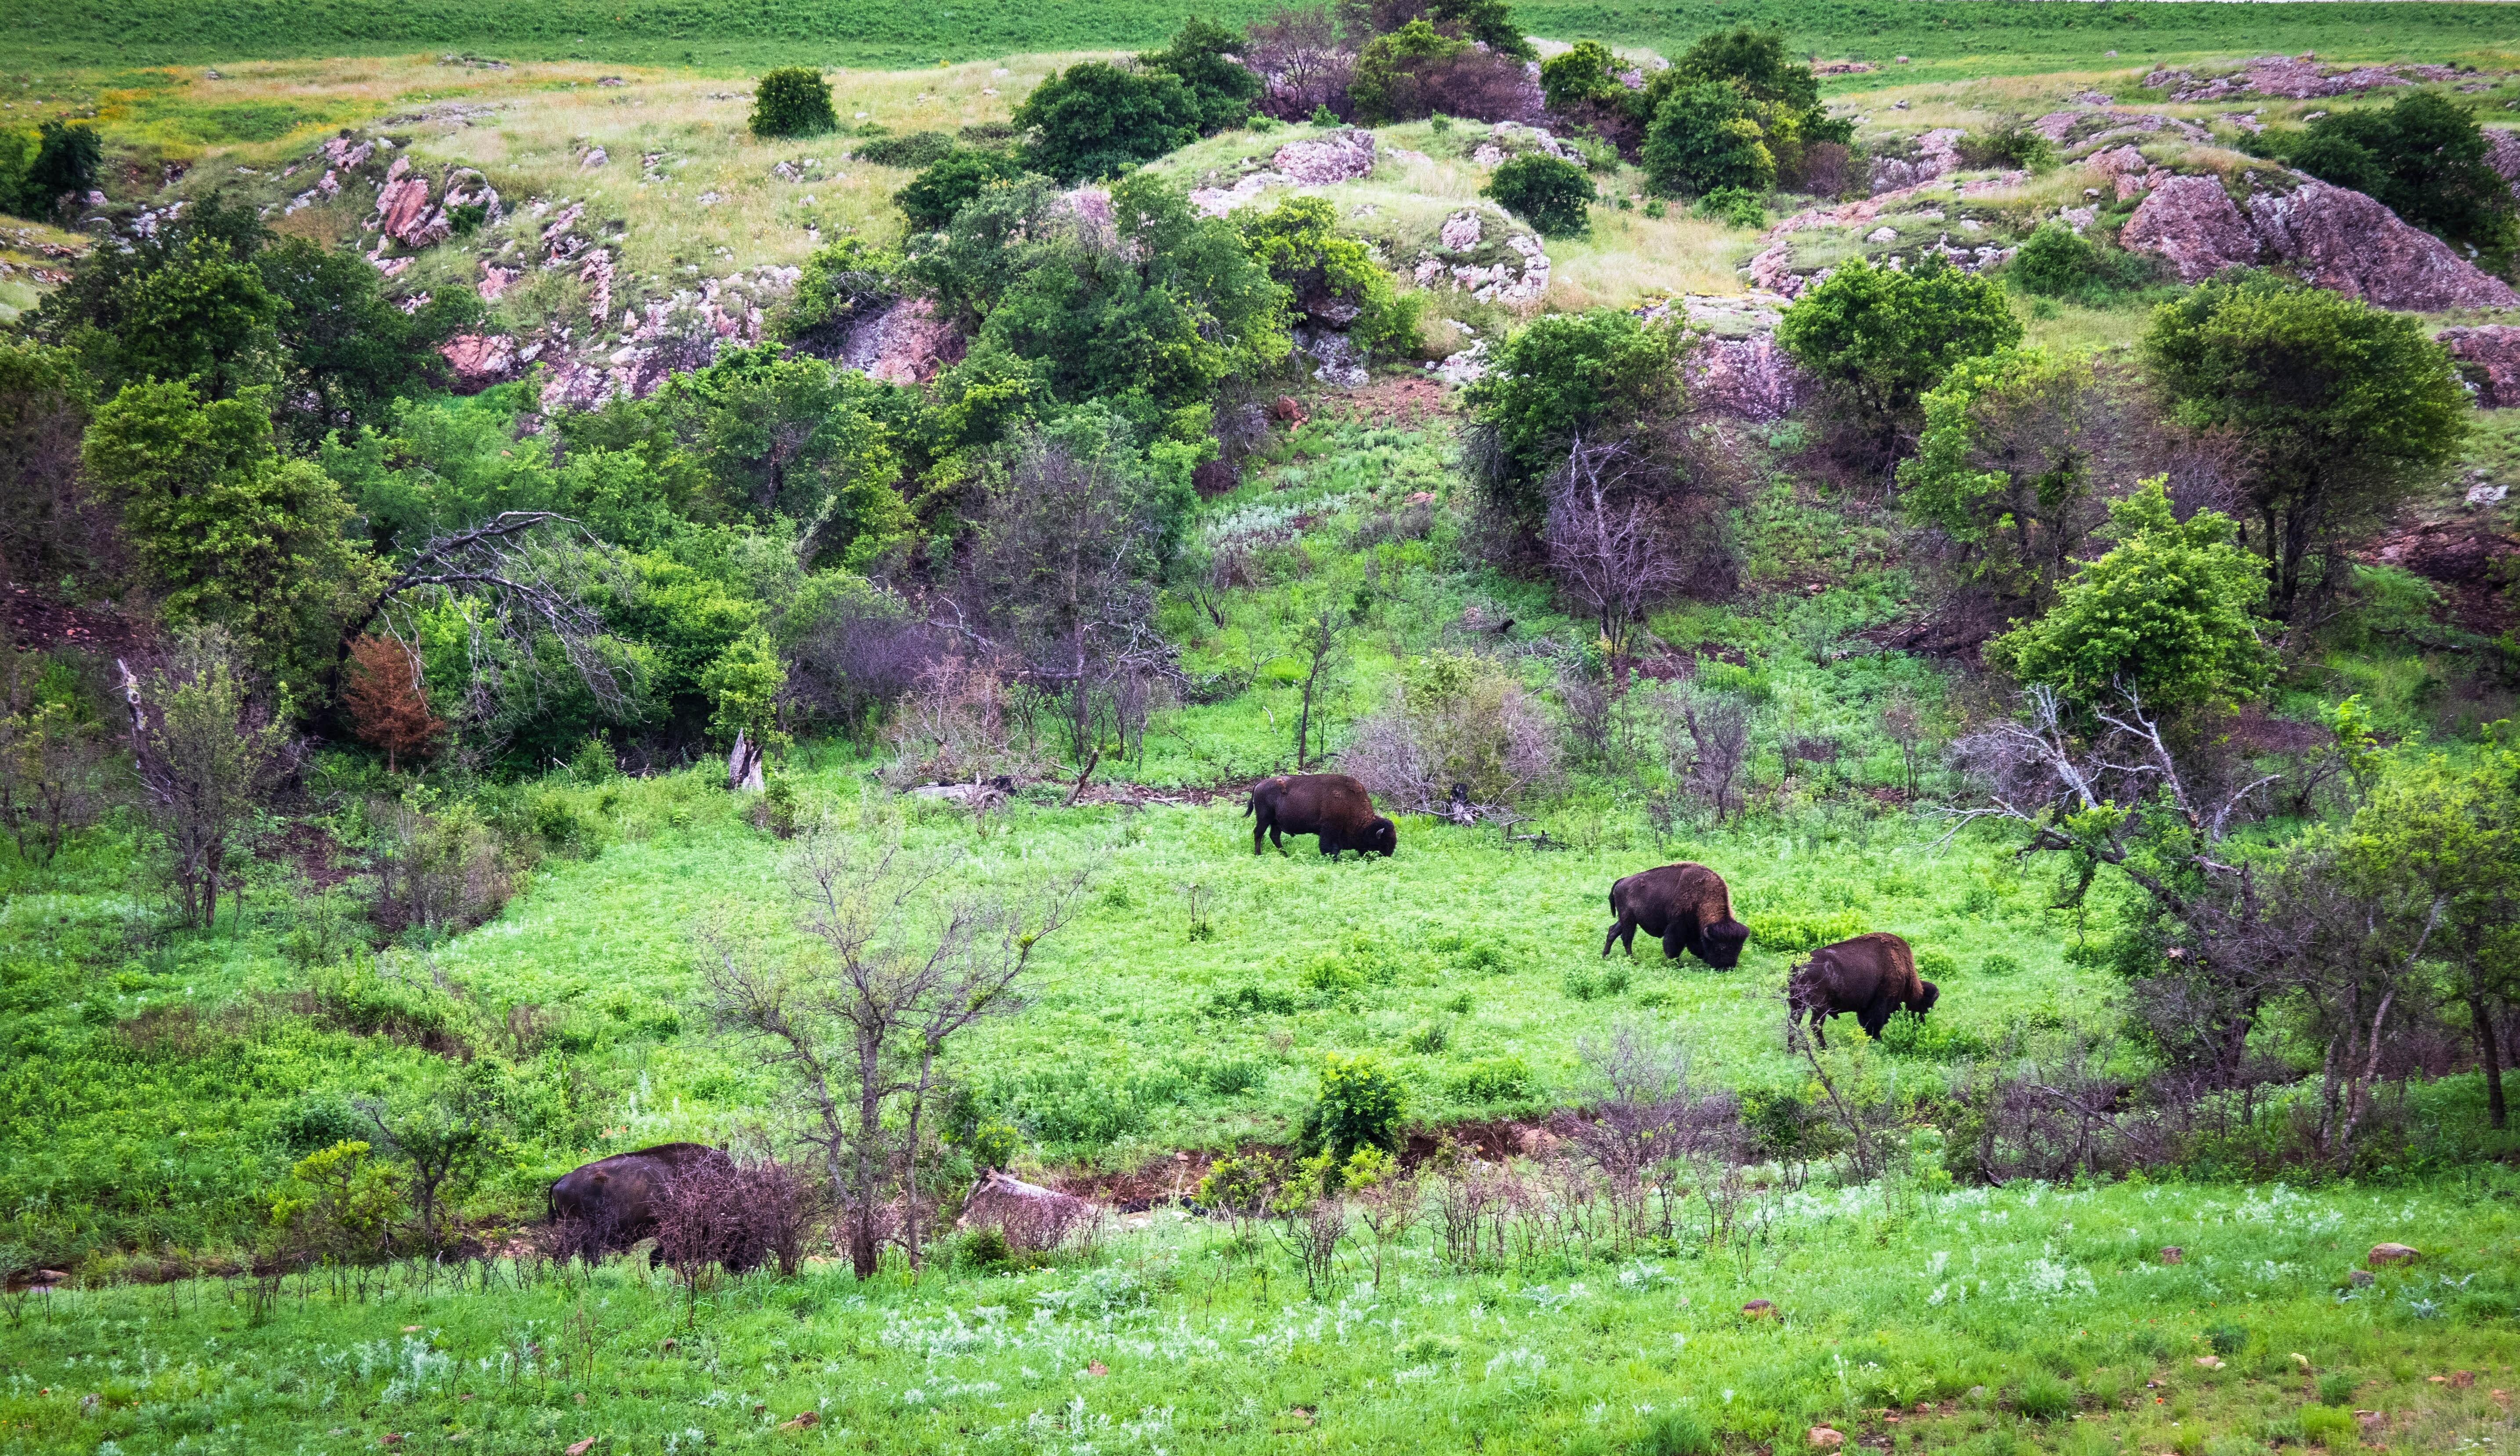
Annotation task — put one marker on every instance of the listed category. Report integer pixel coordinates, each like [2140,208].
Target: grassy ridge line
[881,32]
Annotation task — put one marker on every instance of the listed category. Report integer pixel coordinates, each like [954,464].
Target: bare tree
[1318,642]
[1302,63]
[522,579]
[1606,540]
[1904,725]
[1705,742]
[860,1023]
[1058,590]
[206,755]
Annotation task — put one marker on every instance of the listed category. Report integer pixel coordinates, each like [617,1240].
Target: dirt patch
[313,850]
[1394,399]
[2473,562]
[39,624]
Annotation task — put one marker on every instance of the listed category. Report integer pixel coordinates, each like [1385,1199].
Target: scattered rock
[2384,1254]
[1843,67]
[1760,1309]
[1096,1369]
[402,205]
[479,360]
[907,343]
[582,1447]
[1344,156]
[2487,495]
[1823,1438]
[2172,1254]
[1008,1204]
[595,158]
[2209,1362]
[2502,154]
[495,280]
[1749,379]
[1883,233]
[1937,156]
[2291,78]
[596,275]
[2462,1379]
[2359,1279]
[1337,361]
[1465,365]
[1460,231]
[1216,202]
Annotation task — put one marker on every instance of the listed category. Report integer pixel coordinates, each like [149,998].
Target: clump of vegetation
[1361,1105]
[1555,197]
[793,100]
[1095,119]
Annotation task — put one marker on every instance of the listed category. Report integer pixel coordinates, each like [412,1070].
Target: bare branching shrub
[440,873]
[1606,541]
[851,656]
[208,753]
[1459,720]
[961,722]
[1031,1218]
[1647,1129]
[734,1215]
[1704,739]
[1302,62]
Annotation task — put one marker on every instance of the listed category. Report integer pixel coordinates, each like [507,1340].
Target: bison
[1871,975]
[1333,805]
[612,1203]
[1688,906]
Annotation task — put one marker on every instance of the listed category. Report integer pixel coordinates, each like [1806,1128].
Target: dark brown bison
[612,1203]
[1688,906]
[1871,975]
[1333,805]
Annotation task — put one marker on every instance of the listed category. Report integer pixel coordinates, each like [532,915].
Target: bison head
[1720,944]
[1381,837]
[1925,1002]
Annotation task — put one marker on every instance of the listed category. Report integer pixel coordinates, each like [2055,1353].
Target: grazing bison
[1333,805]
[612,1203]
[1688,906]
[1871,975]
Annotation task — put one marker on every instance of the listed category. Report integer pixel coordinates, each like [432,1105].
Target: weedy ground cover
[1984,1320]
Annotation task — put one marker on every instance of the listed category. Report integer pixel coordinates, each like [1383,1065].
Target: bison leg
[1625,930]
[1874,1017]
[1259,828]
[1819,1016]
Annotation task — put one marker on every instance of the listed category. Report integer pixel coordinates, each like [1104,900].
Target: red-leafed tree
[388,708]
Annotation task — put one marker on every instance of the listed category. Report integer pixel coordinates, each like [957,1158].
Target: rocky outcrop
[2490,358]
[2343,239]
[1524,279]
[1460,231]
[2503,155]
[1343,156]
[1216,202]
[1750,379]
[1511,139]
[2194,226]
[1937,156]
[905,344]
[478,361]
[2291,78]
[1337,360]
[2332,237]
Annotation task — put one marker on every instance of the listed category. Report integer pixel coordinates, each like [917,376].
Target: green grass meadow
[1971,36]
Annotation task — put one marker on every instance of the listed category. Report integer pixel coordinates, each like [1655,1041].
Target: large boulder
[1751,378]
[2490,358]
[2192,223]
[2342,239]
[1343,156]
[2503,155]
[478,361]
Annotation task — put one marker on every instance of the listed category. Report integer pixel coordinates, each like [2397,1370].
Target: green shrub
[1360,1106]
[318,1121]
[1705,136]
[1491,1080]
[2337,1387]
[2043,1396]
[1739,206]
[917,149]
[1565,374]
[1887,334]
[1201,54]
[1252,1000]
[2227,1339]
[1428,1037]
[778,811]
[2053,261]
[1553,196]
[1929,1039]
[2014,144]
[1232,1077]
[1797,934]
[1997,964]
[1582,983]
[1935,964]
[930,199]
[793,100]
[1095,119]
[994,1144]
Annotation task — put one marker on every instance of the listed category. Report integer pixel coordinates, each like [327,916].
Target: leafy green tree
[226,530]
[1705,136]
[743,685]
[2015,449]
[205,752]
[2168,614]
[2436,848]
[347,351]
[793,100]
[1324,271]
[840,284]
[1555,197]
[1587,71]
[1884,335]
[2425,158]
[1754,62]
[1384,86]
[930,199]
[797,438]
[64,164]
[200,312]
[1095,119]
[1566,376]
[50,523]
[1201,53]
[2343,408]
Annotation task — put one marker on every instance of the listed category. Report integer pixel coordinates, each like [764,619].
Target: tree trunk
[868,1170]
[2489,1051]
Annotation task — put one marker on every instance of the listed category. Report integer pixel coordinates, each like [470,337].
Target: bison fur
[1687,906]
[1874,976]
[612,1203]
[1332,806]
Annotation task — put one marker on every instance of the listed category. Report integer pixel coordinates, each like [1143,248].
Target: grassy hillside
[1981,34]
